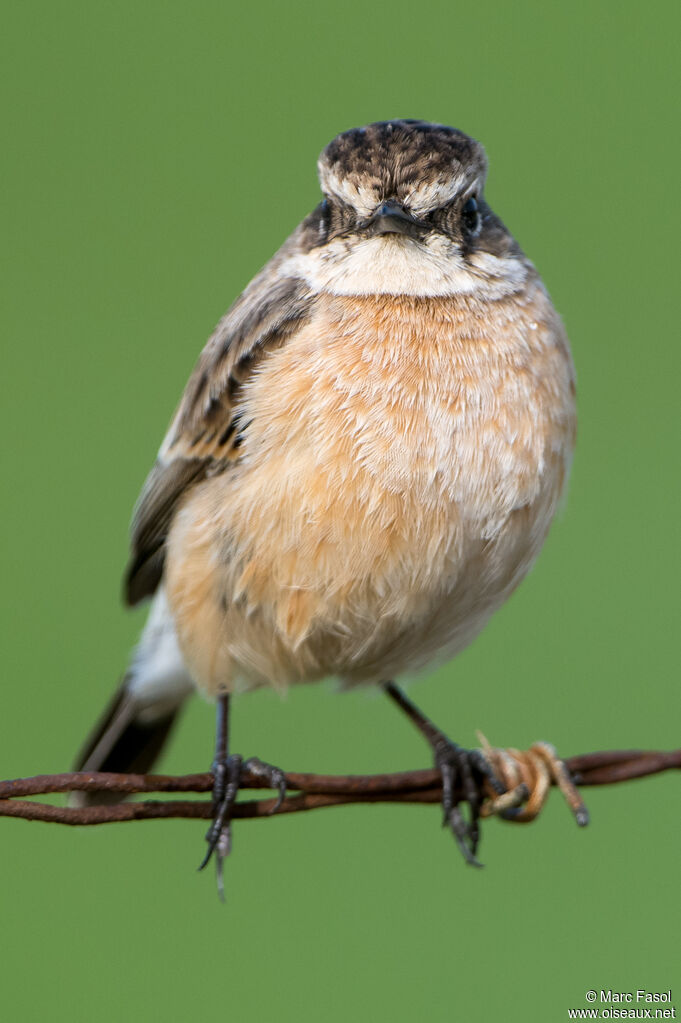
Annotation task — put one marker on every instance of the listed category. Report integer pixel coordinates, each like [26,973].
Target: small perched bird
[363,466]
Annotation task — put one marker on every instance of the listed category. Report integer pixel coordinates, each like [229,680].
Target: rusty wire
[528,776]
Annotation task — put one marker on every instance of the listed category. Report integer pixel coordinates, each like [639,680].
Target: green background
[154,155]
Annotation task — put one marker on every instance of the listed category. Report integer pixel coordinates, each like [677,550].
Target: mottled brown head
[404,213]
[420,165]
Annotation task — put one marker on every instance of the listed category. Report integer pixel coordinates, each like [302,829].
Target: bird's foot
[466,771]
[228,774]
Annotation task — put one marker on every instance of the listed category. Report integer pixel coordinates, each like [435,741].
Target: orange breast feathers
[398,450]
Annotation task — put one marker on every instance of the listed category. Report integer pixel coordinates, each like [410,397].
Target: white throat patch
[394,265]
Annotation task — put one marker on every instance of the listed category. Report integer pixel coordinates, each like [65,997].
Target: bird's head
[403,213]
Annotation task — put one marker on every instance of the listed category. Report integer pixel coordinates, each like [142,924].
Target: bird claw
[228,775]
[275,778]
[467,768]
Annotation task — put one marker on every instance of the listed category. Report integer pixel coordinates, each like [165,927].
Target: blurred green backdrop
[154,156]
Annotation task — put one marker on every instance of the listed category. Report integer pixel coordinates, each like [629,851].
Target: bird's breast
[421,400]
[399,451]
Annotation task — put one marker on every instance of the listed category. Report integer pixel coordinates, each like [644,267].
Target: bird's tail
[136,724]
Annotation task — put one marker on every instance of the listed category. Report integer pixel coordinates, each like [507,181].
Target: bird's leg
[227,774]
[456,765]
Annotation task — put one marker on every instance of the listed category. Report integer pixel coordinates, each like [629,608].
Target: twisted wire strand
[524,773]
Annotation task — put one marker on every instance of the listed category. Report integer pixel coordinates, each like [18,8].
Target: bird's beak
[392,218]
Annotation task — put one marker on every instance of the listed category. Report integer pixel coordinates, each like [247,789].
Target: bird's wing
[204,435]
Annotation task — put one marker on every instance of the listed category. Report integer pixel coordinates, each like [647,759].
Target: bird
[363,466]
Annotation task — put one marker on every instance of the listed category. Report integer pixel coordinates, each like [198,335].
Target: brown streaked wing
[151,521]
[204,435]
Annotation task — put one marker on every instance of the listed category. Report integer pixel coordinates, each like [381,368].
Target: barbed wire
[525,777]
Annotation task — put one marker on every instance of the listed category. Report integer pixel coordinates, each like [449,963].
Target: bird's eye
[470,217]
